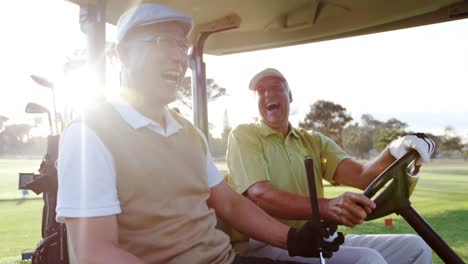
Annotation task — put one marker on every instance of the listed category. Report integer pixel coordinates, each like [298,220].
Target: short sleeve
[245,159]
[86,175]
[331,156]
[213,174]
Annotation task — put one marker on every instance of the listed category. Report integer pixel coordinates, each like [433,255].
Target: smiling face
[154,60]
[274,98]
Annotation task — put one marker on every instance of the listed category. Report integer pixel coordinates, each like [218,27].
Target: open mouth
[272,106]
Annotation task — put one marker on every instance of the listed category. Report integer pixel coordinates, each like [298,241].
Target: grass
[9,169]
[441,197]
[20,221]
[20,228]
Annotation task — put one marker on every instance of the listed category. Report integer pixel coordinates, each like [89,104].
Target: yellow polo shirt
[257,152]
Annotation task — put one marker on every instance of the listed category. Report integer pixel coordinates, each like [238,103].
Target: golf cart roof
[262,24]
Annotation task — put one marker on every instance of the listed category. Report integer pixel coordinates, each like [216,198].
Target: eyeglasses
[167,43]
[275,88]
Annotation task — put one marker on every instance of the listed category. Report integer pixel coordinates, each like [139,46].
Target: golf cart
[230,26]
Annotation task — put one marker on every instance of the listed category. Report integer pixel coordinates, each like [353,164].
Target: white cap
[147,14]
[265,73]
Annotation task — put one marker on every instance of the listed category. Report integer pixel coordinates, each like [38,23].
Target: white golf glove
[417,141]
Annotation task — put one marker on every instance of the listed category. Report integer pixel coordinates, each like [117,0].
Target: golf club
[48,84]
[33,108]
[309,166]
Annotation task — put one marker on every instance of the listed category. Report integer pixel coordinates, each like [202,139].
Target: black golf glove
[310,239]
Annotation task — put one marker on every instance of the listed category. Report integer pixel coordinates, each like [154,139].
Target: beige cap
[265,73]
[147,14]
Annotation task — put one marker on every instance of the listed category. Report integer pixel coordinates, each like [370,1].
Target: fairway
[441,197]
[9,169]
[20,221]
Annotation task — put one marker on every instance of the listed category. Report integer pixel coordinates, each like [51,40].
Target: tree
[218,146]
[370,122]
[15,137]
[78,60]
[3,120]
[226,128]
[74,61]
[382,133]
[357,140]
[327,118]
[37,121]
[18,132]
[213,91]
[383,137]
[451,142]
[395,124]
[465,152]
[387,132]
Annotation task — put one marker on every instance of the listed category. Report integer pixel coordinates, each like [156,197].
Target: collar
[266,130]
[136,120]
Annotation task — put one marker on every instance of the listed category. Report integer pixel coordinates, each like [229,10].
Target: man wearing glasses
[136,181]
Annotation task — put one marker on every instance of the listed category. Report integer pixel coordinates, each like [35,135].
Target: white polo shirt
[86,172]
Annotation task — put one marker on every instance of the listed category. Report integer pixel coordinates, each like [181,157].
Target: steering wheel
[394,198]
[396,194]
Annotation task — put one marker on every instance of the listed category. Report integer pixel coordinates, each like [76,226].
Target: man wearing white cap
[136,181]
[266,164]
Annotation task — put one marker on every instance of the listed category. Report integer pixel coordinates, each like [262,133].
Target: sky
[416,75]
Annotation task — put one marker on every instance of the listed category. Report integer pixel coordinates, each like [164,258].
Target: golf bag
[52,249]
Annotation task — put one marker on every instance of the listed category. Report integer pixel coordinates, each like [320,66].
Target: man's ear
[290,96]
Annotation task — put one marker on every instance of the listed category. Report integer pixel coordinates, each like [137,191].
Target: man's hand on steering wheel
[349,209]
[417,141]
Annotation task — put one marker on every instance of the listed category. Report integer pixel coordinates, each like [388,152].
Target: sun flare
[81,92]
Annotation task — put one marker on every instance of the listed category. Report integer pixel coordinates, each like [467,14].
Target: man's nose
[268,92]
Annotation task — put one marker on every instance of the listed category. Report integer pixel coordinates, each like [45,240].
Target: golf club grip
[309,167]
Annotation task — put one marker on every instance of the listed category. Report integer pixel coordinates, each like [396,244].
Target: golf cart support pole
[200,104]
[200,100]
[93,24]
[429,235]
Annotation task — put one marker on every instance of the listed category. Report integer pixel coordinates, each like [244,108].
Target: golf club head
[33,108]
[42,81]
